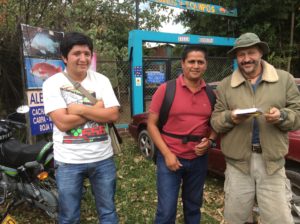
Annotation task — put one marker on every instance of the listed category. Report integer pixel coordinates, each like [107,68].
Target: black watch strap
[283,115]
[213,143]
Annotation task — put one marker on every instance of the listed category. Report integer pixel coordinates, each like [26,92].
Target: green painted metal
[44,150]
[9,171]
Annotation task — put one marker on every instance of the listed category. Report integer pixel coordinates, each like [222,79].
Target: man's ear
[65,60]
[260,51]
[182,62]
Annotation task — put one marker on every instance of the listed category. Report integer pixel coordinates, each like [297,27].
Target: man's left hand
[202,147]
[273,115]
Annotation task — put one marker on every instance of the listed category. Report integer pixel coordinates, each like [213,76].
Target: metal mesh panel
[176,69]
[155,73]
[218,68]
[118,73]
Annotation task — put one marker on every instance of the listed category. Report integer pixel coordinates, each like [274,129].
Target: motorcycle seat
[13,153]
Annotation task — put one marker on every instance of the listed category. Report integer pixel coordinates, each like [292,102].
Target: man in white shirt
[82,146]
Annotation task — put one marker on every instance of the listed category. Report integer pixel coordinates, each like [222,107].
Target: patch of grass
[135,196]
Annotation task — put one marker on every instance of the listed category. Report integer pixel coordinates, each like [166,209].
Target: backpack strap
[211,96]
[167,103]
[169,97]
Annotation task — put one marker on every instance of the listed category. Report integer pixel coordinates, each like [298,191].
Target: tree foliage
[107,22]
[270,19]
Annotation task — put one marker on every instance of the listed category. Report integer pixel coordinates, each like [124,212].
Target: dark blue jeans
[70,177]
[192,176]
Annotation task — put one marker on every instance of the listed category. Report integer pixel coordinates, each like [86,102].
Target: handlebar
[33,164]
[15,123]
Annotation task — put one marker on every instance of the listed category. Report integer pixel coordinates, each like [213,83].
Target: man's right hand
[75,109]
[99,104]
[172,162]
[237,119]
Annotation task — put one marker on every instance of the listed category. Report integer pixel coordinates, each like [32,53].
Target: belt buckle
[256,148]
[185,140]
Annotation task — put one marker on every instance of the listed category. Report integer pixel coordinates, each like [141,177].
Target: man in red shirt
[181,160]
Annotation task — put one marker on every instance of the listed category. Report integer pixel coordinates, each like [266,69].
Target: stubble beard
[250,72]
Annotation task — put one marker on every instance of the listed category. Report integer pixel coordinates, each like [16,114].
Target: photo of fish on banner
[39,42]
[38,70]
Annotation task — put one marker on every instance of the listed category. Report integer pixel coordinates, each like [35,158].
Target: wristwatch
[283,115]
[213,143]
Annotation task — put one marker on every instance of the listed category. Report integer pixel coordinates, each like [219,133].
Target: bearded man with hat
[254,144]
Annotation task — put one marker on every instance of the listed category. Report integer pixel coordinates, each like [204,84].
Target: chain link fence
[218,68]
[156,71]
[118,73]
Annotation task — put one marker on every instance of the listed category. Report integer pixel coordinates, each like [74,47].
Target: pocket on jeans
[288,191]
[226,182]
[59,164]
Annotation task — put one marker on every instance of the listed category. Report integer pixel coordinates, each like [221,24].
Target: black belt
[185,138]
[256,148]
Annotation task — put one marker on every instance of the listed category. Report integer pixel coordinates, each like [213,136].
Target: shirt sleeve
[52,97]
[157,99]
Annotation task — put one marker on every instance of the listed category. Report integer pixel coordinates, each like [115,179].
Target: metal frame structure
[135,52]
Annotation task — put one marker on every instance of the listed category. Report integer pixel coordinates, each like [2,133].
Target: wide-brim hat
[248,40]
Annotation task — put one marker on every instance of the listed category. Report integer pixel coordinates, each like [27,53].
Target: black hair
[189,48]
[74,38]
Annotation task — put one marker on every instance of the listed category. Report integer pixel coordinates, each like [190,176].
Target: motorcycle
[26,171]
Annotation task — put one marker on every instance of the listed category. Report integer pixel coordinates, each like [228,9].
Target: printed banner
[38,70]
[42,59]
[39,122]
[39,42]
[197,6]
[93,65]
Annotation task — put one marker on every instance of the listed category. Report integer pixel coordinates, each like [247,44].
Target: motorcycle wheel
[47,199]
[50,196]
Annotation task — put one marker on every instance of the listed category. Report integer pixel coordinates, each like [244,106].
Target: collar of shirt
[182,83]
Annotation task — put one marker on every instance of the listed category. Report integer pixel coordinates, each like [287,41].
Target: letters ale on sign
[39,122]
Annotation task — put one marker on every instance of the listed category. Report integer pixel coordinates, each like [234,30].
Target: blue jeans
[70,177]
[192,174]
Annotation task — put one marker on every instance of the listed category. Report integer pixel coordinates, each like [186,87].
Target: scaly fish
[44,44]
[223,10]
[44,70]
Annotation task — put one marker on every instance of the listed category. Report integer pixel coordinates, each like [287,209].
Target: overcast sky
[173,28]
[168,27]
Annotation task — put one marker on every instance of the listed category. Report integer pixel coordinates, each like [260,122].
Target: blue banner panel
[197,6]
[39,122]
[155,77]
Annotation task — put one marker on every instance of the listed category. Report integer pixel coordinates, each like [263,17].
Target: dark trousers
[192,176]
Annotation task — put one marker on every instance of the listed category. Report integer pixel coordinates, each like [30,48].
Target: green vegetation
[136,195]
[275,22]
[107,22]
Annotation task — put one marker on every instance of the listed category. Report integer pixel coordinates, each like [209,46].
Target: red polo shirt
[189,115]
